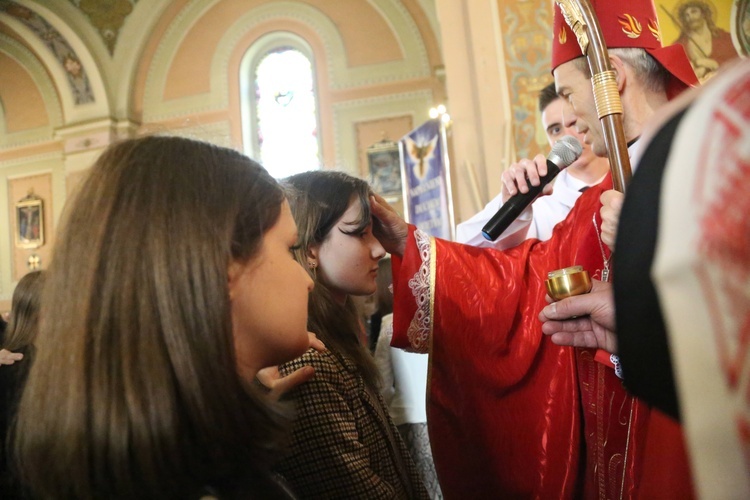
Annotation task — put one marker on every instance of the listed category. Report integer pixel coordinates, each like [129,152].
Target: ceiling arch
[64,56]
[129,56]
[411,61]
[31,106]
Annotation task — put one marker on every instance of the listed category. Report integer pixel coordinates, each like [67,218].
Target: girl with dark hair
[172,284]
[344,443]
[24,312]
[18,341]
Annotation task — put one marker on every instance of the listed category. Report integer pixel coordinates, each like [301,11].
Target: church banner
[425,172]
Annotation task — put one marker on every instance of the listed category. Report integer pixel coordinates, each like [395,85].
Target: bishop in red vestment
[512,415]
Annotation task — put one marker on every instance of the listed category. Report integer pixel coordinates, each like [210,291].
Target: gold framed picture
[384,161]
[30,222]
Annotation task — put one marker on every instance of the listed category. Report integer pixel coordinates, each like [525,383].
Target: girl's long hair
[318,200]
[134,391]
[24,314]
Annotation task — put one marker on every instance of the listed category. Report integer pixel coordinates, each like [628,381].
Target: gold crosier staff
[580,16]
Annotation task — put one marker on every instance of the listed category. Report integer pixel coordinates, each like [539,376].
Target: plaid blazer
[344,444]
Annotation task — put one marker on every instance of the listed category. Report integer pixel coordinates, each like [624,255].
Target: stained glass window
[286,113]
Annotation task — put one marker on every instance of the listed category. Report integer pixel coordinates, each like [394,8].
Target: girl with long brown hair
[18,341]
[344,444]
[172,283]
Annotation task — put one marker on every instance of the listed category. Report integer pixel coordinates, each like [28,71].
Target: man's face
[554,127]
[552,121]
[575,88]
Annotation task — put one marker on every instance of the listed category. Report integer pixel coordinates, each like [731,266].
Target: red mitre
[631,23]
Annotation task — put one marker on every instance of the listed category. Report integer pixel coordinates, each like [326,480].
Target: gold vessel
[567,282]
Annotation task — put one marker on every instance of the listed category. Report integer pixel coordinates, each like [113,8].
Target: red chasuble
[510,414]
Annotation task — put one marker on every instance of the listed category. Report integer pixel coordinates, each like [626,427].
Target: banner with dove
[426,180]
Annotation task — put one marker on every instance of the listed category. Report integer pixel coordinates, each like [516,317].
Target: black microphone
[564,152]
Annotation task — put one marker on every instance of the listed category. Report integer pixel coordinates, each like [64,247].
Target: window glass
[286,114]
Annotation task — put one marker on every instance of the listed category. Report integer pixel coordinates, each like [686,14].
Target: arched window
[279,105]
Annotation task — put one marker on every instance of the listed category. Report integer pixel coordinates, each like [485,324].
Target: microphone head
[567,150]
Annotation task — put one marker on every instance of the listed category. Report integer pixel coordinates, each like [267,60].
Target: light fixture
[440,112]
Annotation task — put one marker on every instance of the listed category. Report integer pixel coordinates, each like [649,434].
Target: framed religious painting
[741,26]
[30,222]
[384,163]
[712,32]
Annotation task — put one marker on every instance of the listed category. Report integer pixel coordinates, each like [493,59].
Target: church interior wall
[74,80]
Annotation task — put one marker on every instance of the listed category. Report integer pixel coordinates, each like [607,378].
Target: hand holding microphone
[564,152]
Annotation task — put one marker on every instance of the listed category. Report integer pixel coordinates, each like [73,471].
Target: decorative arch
[46,87]
[65,56]
[128,56]
[413,64]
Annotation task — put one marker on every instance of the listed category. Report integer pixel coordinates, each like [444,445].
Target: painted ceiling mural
[58,45]
[107,16]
